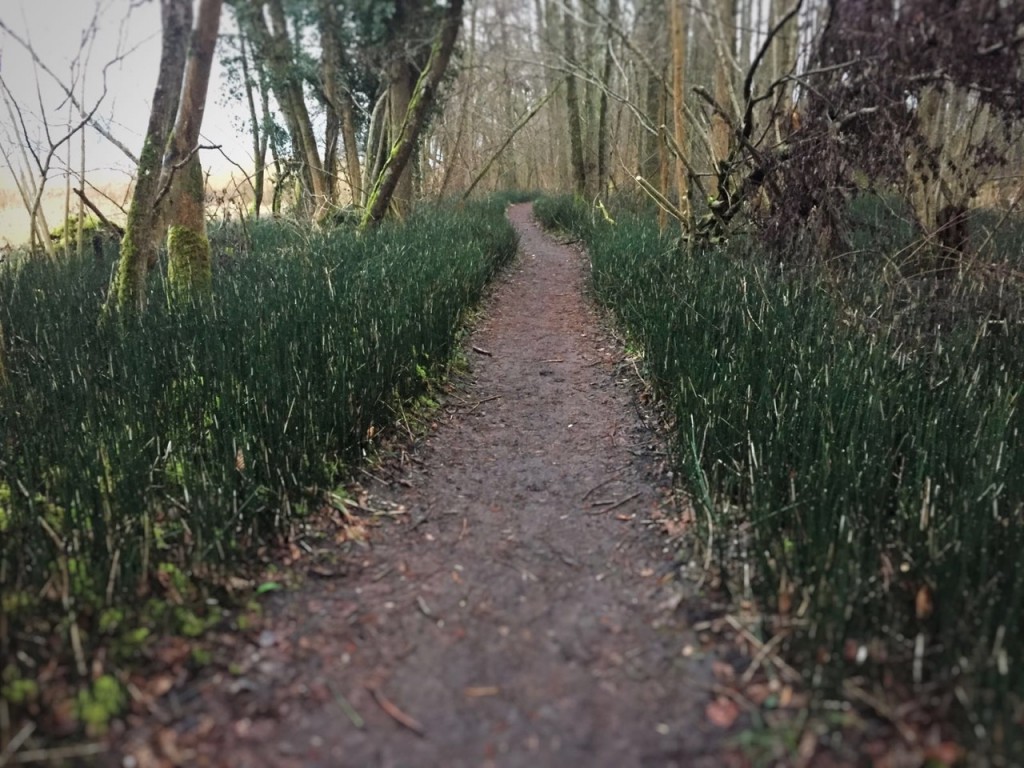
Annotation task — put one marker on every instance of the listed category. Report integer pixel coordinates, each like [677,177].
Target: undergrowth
[143,459]
[872,477]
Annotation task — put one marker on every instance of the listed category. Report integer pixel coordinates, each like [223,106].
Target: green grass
[856,472]
[142,460]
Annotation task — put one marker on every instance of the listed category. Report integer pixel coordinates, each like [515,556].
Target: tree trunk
[572,102]
[189,270]
[416,116]
[678,33]
[401,83]
[272,49]
[725,33]
[603,170]
[142,232]
[340,100]
[260,136]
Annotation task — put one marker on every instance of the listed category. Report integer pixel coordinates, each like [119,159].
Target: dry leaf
[723,672]
[160,685]
[944,753]
[923,602]
[722,712]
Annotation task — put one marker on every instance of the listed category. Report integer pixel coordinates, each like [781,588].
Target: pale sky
[55,28]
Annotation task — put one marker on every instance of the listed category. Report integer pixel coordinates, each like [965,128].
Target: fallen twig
[59,754]
[394,712]
[478,403]
[618,504]
[612,505]
[345,706]
[482,351]
[14,744]
[784,668]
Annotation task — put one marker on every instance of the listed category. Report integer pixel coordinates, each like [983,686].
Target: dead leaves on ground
[767,704]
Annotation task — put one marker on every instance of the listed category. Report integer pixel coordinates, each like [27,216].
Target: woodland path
[521,614]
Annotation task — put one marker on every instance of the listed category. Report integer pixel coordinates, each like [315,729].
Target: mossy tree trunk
[415,119]
[142,232]
[188,249]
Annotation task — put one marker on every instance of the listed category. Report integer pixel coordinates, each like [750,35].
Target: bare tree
[170,174]
[142,233]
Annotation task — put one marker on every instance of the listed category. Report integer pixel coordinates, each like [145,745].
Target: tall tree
[189,270]
[572,102]
[142,233]
[337,94]
[415,118]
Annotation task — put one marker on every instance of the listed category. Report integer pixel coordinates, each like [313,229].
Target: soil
[523,610]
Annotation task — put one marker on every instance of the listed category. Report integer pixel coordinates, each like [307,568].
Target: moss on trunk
[189,272]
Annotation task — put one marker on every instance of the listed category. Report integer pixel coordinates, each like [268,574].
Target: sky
[127,45]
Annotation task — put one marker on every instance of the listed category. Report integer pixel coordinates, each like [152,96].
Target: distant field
[14,220]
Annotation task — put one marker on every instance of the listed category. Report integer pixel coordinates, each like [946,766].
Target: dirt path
[517,616]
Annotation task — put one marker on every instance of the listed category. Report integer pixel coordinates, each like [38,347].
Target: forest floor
[513,603]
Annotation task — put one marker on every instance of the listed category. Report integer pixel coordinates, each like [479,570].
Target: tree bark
[678,32]
[189,270]
[401,84]
[340,99]
[416,116]
[603,169]
[572,101]
[725,31]
[142,231]
[260,136]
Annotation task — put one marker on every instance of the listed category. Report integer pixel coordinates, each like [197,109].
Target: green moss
[98,704]
[189,272]
[6,510]
[20,691]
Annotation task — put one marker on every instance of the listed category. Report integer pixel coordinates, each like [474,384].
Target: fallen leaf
[723,671]
[944,753]
[923,604]
[758,693]
[160,685]
[722,712]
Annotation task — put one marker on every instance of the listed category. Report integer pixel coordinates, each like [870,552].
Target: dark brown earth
[522,613]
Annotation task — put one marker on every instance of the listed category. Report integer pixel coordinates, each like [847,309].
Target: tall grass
[877,487]
[139,457]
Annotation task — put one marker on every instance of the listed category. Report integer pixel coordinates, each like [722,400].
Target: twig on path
[554,360]
[345,706]
[482,351]
[602,484]
[462,533]
[478,403]
[615,505]
[395,713]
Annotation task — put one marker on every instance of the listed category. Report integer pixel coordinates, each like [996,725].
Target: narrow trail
[519,615]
